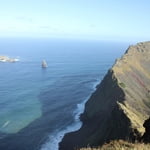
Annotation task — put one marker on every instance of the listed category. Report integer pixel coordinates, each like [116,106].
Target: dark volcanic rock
[120,105]
[146,136]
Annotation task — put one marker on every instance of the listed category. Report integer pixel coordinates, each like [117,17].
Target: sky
[95,19]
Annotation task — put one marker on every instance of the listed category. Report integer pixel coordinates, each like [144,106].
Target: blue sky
[95,19]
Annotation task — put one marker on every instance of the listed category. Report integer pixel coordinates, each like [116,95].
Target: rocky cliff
[120,105]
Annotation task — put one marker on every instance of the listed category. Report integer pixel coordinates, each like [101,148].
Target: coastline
[53,141]
[109,113]
[28,71]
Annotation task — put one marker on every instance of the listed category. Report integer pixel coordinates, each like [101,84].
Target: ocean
[38,106]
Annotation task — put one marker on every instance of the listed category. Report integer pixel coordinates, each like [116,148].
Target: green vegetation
[121,145]
[122,85]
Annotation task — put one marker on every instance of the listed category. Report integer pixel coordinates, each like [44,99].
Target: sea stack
[44,64]
[119,106]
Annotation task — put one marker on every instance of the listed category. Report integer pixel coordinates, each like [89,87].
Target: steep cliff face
[120,105]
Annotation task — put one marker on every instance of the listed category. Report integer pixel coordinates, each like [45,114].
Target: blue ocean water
[38,106]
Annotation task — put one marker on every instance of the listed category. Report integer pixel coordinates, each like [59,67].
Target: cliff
[119,106]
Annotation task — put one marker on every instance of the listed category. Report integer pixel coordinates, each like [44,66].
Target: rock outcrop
[7,59]
[119,106]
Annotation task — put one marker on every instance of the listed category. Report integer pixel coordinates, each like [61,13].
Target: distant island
[119,109]
[8,59]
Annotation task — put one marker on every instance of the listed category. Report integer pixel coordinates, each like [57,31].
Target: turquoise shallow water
[38,106]
[19,103]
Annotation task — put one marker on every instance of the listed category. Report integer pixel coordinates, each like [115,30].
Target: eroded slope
[120,105]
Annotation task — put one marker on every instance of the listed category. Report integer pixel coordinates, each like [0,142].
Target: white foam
[5,124]
[2,60]
[16,59]
[57,136]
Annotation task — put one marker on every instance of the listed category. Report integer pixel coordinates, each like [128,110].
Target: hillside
[120,105]
[121,145]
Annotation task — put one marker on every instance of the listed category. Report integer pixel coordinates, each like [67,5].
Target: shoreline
[53,141]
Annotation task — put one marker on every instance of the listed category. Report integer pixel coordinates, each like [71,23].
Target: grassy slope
[133,75]
[121,145]
[119,106]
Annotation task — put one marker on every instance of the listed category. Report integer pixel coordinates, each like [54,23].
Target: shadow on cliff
[146,137]
[103,120]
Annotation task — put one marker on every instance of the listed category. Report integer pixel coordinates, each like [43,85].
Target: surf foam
[54,139]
